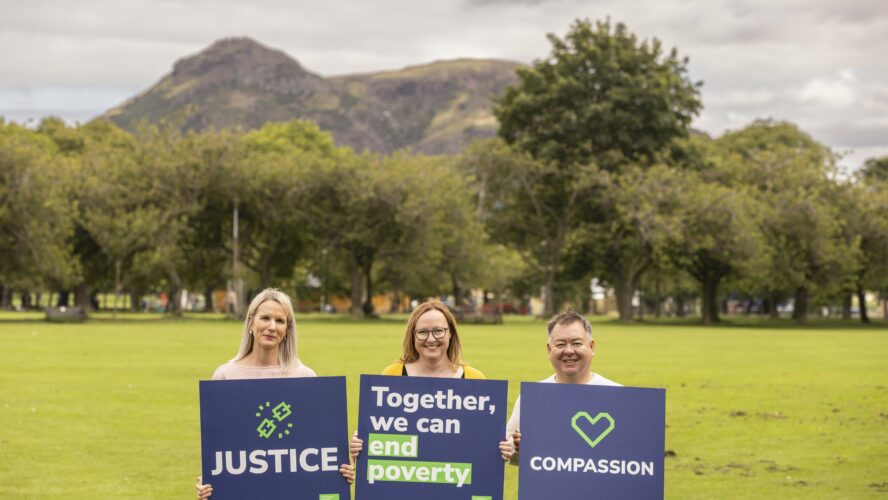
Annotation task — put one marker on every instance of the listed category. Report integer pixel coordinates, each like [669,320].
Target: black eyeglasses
[423,334]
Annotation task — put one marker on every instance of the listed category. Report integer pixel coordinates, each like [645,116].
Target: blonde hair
[454,350]
[287,357]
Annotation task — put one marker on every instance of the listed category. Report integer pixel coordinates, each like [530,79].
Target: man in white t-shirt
[571,349]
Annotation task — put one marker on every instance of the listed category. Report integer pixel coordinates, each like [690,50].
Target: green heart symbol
[592,421]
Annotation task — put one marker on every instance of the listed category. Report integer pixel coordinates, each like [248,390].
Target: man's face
[570,351]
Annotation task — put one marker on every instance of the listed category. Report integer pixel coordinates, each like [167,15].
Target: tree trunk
[680,306]
[457,292]
[175,305]
[709,311]
[396,300]
[623,291]
[357,292]
[368,301]
[549,296]
[861,303]
[658,300]
[884,305]
[6,298]
[774,300]
[846,306]
[584,299]
[63,298]
[710,302]
[135,295]
[82,296]
[800,309]
[117,266]
[208,300]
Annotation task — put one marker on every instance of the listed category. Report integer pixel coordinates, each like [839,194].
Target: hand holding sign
[606,439]
[264,438]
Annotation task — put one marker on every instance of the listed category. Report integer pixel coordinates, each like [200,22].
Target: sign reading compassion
[578,438]
[430,438]
[269,438]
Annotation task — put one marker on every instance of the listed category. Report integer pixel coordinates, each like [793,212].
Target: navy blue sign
[274,438]
[587,441]
[430,438]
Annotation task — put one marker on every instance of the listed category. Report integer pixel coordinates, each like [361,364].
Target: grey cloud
[488,3]
[755,57]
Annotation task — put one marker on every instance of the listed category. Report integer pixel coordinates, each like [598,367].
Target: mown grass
[762,410]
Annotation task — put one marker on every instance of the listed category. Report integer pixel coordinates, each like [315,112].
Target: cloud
[817,63]
[487,3]
[835,91]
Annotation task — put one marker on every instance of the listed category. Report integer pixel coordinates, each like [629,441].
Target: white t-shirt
[514,424]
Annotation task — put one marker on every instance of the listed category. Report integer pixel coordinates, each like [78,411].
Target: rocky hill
[435,108]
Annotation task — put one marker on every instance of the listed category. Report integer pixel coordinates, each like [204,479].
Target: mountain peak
[244,62]
[434,108]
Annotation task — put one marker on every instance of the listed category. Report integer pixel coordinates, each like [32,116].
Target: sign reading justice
[430,438]
[581,441]
[274,438]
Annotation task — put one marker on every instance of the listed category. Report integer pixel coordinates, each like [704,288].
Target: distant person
[571,349]
[267,350]
[431,348]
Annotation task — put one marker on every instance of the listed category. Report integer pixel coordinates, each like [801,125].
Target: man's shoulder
[598,379]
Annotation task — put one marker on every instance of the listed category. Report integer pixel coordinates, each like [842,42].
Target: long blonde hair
[454,350]
[287,357]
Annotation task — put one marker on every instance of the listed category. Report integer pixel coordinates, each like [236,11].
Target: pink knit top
[233,370]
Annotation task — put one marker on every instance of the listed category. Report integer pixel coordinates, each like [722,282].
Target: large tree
[272,185]
[119,206]
[36,219]
[793,177]
[530,205]
[863,210]
[719,235]
[603,99]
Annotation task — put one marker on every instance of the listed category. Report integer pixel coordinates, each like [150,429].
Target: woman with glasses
[431,348]
[267,350]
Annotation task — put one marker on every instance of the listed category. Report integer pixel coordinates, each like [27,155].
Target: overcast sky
[822,64]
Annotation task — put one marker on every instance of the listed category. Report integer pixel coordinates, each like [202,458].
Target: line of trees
[594,175]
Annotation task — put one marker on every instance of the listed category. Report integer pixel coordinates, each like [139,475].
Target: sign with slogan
[274,438]
[590,441]
[430,438]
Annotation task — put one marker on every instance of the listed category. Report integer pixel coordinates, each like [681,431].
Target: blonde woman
[431,348]
[267,350]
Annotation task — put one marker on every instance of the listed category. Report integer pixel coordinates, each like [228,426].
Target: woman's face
[431,348]
[269,325]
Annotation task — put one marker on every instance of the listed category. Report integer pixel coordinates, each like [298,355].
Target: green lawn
[110,409]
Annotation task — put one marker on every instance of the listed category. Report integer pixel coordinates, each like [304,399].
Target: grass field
[110,409]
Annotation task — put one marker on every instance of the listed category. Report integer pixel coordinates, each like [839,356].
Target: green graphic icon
[267,426]
[592,421]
